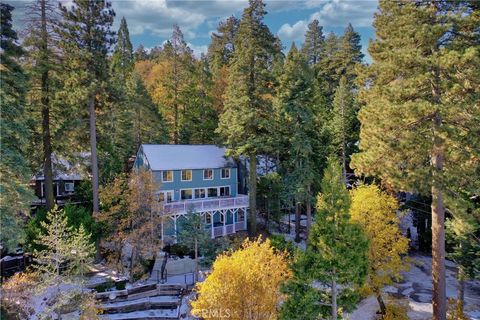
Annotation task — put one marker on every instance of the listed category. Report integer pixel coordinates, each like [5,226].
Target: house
[67,175]
[196,178]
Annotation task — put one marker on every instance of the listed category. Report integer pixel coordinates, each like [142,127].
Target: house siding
[197,181]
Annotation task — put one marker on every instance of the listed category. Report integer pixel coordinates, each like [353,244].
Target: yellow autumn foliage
[244,284]
[376,211]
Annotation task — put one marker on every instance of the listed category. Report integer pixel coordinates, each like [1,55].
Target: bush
[105,286]
[179,250]
[282,245]
[396,311]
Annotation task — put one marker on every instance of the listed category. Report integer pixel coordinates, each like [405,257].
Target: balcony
[202,205]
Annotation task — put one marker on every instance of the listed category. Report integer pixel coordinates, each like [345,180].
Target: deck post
[234,221]
[213,234]
[245,218]
[224,222]
[175,226]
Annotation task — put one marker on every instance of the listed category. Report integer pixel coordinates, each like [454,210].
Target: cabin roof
[178,157]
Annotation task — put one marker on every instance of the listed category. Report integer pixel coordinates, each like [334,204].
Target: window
[208,219]
[199,193]
[186,194]
[225,173]
[224,191]
[69,186]
[165,195]
[207,174]
[186,175]
[167,176]
[212,192]
[169,196]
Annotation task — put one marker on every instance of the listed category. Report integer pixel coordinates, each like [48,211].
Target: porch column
[234,221]
[245,215]
[224,223]
[212,216]
[175,227]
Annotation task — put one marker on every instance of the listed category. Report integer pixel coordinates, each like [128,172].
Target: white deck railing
[239,201]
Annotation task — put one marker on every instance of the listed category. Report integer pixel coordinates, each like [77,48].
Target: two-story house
[196,178]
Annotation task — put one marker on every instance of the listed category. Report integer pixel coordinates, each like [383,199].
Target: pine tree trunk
[438,231]
[252,192]
[460,291]
[309,210]
[196,260]
[93,147]
[47,145]
[381,303]
[297,221]
[334,296]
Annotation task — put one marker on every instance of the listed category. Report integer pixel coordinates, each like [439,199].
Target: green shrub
[105,286]
[396,310]
[179,250]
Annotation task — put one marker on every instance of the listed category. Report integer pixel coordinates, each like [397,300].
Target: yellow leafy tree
[244,284]
[376,211]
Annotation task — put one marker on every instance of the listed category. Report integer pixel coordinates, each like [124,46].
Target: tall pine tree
[42,62]
[85,39]
[337,256]
[296,105]
[313,46]
[420,120]
[122,58]
[248,112]
[14,190]
[344,124]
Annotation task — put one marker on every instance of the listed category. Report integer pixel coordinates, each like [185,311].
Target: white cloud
[336,13]
[198,50]
[331,13]
[294,32]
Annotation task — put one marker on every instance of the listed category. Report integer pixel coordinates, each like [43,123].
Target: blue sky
[150,22]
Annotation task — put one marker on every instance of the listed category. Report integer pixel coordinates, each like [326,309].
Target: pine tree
[337,255]
[344,124]
[296,105]
[419,126]
[313,46]
[122,58]
[62,249]
[222,45]
[193,235]
[463,232]
[85,39]
[247,114]
[83,251]
[15,194]
[41,18]
[350,53]
[219,55]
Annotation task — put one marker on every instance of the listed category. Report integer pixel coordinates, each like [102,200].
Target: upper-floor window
[208,174]
[186,175]
[167,176]
[69,186]
[225,173]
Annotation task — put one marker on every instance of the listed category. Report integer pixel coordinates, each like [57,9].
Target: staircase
[149,301]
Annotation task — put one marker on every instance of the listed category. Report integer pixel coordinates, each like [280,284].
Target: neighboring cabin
[199,178]
[67,175]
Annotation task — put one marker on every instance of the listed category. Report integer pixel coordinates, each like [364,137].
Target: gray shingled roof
[176,157]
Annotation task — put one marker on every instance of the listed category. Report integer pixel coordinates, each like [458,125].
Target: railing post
[213,232]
